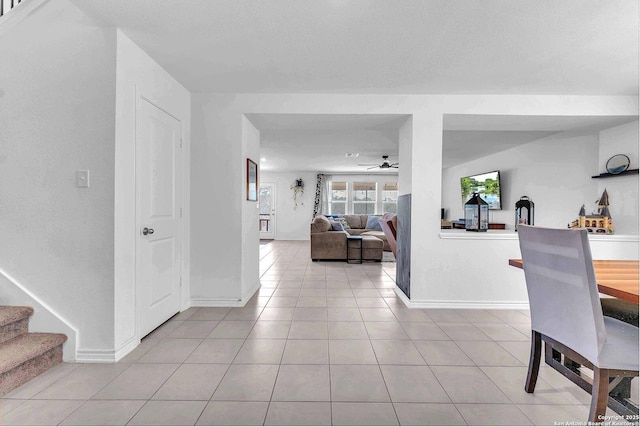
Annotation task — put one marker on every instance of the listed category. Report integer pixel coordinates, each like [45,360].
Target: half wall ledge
[511,235]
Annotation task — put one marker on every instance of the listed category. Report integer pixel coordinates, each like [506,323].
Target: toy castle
[600,222]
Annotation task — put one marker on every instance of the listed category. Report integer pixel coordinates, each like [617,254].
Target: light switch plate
[82,178]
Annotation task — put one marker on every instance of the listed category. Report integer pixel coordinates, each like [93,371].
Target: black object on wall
[403,241]
[524,211]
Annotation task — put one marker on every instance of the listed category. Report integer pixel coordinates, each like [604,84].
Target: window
[337,198]
[390,197]
[364,198]
[361,198]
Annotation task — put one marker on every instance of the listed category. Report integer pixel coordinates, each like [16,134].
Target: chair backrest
[563,294]
[387,224]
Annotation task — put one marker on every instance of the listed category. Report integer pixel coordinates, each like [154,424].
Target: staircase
[24,355]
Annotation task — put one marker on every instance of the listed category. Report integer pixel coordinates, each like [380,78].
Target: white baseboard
[206,302]
[225,302]
[105,355]
[477,305]
[250,293]
[126,348]
[96,356]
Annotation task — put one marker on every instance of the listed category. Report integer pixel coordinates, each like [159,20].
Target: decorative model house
[599,222]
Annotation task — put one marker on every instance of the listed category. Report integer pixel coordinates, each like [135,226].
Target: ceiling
[468,137]
[568,47]
[382,46]
[303,142]
[320,142]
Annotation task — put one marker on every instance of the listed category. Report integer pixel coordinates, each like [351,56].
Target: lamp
[476,214]
[524,211]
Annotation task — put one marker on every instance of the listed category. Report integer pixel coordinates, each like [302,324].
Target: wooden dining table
[615,278]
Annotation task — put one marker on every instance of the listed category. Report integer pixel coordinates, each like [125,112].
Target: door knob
[146,231]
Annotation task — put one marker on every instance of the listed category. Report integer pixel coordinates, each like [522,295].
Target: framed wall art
[252,181]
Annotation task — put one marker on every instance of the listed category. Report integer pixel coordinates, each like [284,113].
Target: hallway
[323,343]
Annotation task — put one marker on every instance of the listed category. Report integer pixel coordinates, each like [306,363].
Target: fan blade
[373,167]
[367,164]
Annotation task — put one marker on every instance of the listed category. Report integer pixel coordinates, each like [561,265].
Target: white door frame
[183,232]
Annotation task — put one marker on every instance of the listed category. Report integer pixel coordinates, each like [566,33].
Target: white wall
[292,223]
[405,142]
[217,197]
[250,275]
[555,172]
[137,76]
[57,108]
[622,190]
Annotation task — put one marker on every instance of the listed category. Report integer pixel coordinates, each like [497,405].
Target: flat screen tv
[487,185]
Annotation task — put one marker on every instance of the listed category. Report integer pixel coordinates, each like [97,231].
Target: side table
[354,249]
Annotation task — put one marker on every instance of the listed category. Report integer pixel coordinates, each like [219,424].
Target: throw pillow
[321,224]
[373,223]
[336,226]
[344,222]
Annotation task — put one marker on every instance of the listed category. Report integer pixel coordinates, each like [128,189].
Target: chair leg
[534,362]
[599,395]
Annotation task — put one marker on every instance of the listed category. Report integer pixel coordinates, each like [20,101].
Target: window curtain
[321,201]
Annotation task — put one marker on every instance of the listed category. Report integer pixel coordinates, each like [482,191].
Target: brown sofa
[329,244]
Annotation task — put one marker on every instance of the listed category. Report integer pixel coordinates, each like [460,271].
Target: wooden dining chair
[566,311]
[388,223]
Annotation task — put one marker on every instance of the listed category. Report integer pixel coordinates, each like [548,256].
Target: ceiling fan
[386,164]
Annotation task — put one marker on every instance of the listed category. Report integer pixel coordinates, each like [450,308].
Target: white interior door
[267,205]
[158,177]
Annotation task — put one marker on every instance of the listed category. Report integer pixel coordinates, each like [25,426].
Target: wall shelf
[609,175]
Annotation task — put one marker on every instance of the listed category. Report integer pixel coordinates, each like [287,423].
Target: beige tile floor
[322,343]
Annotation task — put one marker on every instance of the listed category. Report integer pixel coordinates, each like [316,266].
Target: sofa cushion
[336,226]
[356,231]
[373,223]
[355,221]
[320,224]
[380,235]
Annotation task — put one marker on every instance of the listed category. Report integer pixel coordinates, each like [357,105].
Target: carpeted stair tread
[10,314]
[25,347]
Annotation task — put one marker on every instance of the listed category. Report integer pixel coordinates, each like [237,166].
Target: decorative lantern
[524,211]
[476,214]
